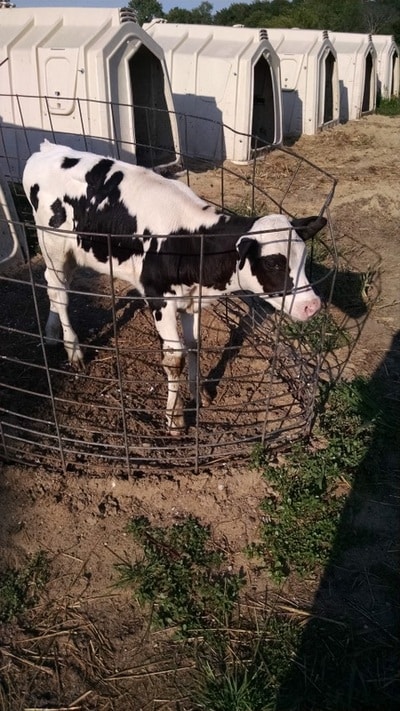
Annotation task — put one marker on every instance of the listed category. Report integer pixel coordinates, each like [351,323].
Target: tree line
[366,16]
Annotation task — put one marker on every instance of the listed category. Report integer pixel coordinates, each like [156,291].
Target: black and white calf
[91,210]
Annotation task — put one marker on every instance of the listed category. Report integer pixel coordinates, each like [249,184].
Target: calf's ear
[307,227]
[246,247]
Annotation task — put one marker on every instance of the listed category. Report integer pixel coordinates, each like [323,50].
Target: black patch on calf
[33,196]
[307,227]
[122,248]
[69,163]
[226,225]
[101,213]
[179,256]
[98,188]
[110,218]
[155,301]
[59,214]
[247,248]
[272,271]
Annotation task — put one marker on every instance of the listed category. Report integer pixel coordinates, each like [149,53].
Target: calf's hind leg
[173,362]
[190,326]
[58,276]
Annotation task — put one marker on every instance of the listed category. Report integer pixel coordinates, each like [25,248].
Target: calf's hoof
[176,431]
[77,360]
[176,427]
[205,397]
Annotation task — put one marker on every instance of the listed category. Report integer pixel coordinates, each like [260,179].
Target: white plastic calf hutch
[222,75]
[357,74]
[11,232]
[309,80]
[388,66]
[83,77]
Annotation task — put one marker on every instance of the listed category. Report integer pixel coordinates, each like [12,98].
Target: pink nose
[312,307]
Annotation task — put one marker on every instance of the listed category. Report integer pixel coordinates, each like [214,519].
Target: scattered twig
[39,667]
[396,302]
[127,674]
[307,615]
[80,698]
[53,708]
[57,633]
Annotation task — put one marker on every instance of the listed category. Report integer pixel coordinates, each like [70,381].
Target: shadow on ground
[349,655]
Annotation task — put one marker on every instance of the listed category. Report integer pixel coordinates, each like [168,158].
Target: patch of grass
[321,333]
[389,107]
[19,589]
[247,676]
[353,291]
[283,665]
[181,576]
[292,665]
[280,657]
[281,546]
[237,686]
[239,664]
[310,485]
[318,251]
[348,412]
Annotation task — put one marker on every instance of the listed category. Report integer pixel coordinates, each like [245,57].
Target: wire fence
[260,370]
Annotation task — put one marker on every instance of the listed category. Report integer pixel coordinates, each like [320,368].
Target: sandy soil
[80,520]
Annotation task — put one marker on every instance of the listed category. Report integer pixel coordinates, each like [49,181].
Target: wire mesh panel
[259,370]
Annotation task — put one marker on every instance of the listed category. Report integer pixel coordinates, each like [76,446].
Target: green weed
[247,676]
[321,333]
[310,486]
[181,576]
[389,107]
[19,589]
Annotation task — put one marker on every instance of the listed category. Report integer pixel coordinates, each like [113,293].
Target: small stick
[29,664]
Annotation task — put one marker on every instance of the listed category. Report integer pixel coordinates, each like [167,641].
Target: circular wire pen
[260,370]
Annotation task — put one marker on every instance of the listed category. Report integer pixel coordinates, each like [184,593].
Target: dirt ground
[80,520]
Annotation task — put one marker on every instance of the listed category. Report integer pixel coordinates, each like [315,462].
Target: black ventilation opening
[366,102]
[328,101]
[263,126]
[153,130]
[395,61]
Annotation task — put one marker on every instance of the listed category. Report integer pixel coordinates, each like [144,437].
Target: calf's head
[271,262]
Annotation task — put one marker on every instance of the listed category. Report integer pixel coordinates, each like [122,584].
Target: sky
[166,4]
